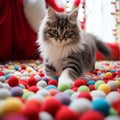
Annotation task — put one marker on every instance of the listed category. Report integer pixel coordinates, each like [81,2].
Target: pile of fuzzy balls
[26,94]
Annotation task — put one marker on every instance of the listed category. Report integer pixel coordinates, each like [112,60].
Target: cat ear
[51,13]
[73,16]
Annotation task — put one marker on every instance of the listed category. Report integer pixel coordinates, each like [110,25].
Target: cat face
[61,29]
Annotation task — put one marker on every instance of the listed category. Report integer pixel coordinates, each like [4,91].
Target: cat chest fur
[56,54]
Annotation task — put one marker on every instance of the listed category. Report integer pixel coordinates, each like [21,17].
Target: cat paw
[65,80]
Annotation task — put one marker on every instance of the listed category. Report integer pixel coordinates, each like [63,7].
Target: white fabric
[34,11]
[99,19]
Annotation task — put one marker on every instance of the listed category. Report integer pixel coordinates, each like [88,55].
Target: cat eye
[55,31]
[66,33]
[69,34]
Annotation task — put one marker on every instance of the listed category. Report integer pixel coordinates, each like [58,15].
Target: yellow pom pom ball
[108,74]
[11,105]
[105,88]
[118,83]
[29,69]
[11,67]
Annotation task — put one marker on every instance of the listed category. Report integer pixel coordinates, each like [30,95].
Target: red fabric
[17,39]
[114,49]
[54,5]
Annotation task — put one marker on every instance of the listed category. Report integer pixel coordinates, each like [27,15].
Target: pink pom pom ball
[14,116]
[53,92]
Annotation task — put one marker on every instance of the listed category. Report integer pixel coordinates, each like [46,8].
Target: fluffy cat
[66,50]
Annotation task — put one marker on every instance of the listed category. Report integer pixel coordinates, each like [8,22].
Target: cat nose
[61,38]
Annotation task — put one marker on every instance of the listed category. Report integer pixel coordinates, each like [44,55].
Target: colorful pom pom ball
[65,113]
[79,82]
[101,105]
[86,95]
[11,105]
[32,81]
[13,81]
[51,105]
[80,105]
[64,98]
[92,115]
[16,91]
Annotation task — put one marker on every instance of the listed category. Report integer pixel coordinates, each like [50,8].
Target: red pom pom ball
[53,82]
[13,81]
[51,105]
[85,95]
[33,89]
[79,82]
[31,112]
[91,87]
[32,81]
[66,113]
[34,102]
[92,115]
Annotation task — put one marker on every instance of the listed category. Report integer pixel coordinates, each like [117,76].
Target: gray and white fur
[66,50]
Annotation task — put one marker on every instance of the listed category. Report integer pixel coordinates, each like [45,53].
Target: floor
[25,93]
